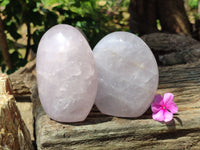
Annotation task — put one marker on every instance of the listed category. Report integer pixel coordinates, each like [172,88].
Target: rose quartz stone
[127,75]
[66,74]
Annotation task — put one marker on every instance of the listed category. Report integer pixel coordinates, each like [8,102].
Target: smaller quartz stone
[66,74]
[127,75]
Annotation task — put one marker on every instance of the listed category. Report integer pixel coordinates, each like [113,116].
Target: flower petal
[158,99]
[168,98]
[172,107]
[157,104]
[168,116]
[155,107]
[159,116]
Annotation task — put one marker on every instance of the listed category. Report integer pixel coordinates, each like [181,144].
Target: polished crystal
[66,74]
[127,75]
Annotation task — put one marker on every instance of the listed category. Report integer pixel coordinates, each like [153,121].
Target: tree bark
[142,16]
[23,79]
[198,6]
[171,49]
[14,133]
[171,13]
[4,46]
[173,17]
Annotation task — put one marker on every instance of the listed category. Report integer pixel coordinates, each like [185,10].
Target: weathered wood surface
[22,81]
[25,109]
[171,49]
[100,131]
[14,134]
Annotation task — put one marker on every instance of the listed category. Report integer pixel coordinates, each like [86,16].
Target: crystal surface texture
[66,74]
[127,75]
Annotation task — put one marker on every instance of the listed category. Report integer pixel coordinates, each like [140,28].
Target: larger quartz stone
[127,75]
[66,74]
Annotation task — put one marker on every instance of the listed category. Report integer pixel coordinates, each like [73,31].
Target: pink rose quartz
[66,74]
[127,75]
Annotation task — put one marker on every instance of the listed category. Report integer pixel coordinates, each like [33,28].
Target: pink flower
[163,108]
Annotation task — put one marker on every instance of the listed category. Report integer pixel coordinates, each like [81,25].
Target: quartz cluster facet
[66,74]
[127,75]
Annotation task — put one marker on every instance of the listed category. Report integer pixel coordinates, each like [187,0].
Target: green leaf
[51,19]
[3,3]
[12,29]
[193,3]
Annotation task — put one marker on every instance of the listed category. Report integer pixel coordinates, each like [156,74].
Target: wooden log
[171,49]
[100,131]
[22,81]
[13,131]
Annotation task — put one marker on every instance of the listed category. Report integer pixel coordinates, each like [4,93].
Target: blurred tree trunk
[4,46]
[142,16]
[171,13]
[173,17]
[185,4]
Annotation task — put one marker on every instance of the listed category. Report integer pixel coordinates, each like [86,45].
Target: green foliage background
[193,3]
[95,18]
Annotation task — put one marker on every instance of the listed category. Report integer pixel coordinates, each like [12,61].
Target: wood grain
[14,134]
[100,131]
[172,49]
